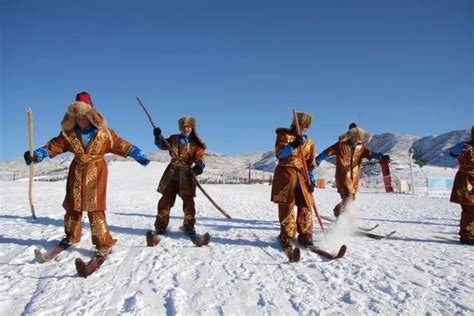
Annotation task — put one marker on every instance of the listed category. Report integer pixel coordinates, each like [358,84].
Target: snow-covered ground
[242,271]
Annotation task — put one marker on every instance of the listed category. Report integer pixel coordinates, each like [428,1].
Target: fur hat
[188,121]
[191,121]
[363,136]
[82,107]
[304,120]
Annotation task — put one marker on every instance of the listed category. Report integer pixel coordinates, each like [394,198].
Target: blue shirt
[86,135]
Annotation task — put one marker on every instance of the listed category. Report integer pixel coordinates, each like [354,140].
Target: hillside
[431,150]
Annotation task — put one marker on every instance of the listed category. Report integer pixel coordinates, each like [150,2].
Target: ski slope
[242,271]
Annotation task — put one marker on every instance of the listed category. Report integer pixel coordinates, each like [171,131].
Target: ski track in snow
[242,271]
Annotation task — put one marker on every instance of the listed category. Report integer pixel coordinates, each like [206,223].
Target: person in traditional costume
[349,152]
[290,187]
[187,151]
[84,133]
[463,191]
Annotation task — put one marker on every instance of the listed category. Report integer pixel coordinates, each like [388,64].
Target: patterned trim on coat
[125,147]
[284,195]
[75,143]
[97,143]
[91,187]
[77,187]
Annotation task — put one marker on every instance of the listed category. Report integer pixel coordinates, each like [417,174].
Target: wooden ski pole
[305,169]
[210,199]
[175,156]
[29,113]
[146,112]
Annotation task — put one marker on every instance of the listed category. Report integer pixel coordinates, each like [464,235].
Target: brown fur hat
[191,121]
[364,136]
[82,107]
[187,121]
[79,108]
[304,120]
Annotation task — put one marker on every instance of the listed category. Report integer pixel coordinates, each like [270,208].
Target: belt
[85,158]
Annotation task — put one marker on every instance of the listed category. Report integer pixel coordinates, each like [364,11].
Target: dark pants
[167,202]
[304,220]
[341,206]
[466,226]
[100,232]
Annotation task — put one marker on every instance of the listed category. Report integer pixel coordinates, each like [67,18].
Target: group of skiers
[295,151]
[84,133]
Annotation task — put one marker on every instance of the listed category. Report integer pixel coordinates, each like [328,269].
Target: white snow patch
[242,271]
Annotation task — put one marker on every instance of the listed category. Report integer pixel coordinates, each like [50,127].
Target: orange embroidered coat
[348,165]
[289,170]
[463,191]
[188,154]
[86,186]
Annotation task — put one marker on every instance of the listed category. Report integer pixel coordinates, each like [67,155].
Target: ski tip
[296,255]
[203,241]
[391,233]
[81,267]
[39,256]
[341,252]
[151,239]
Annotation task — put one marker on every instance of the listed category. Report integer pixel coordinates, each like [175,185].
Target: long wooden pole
[31,146]
[175,156]
[305,169]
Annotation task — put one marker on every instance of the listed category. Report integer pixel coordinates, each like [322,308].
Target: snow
[242,271]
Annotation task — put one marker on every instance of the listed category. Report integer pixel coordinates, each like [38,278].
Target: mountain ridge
[429,150]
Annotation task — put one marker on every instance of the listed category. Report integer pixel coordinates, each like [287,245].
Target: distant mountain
[396,145]
[431,150]
[267,162]
[434,150]
[218,166]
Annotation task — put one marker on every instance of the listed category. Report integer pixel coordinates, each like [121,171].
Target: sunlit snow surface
[242,271]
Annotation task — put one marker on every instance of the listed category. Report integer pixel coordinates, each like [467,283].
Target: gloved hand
[299,140]
[385,158]
[143,161]
[311,187]
[29,159]
[457,149]
[137,154]
[197,169]
[157,132]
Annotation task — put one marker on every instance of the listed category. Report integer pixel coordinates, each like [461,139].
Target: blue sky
[239,67]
